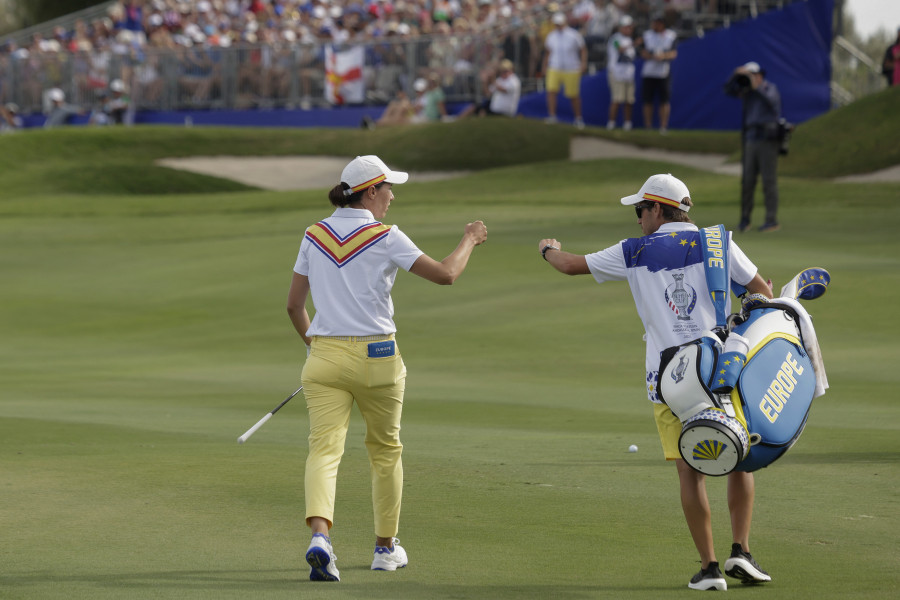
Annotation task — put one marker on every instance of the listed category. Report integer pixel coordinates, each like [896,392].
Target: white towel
[810,342]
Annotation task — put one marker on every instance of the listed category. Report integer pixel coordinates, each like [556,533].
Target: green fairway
[142,334]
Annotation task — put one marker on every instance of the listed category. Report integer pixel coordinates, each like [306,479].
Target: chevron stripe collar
[339,249]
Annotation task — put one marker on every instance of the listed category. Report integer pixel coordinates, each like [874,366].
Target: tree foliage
[33,12]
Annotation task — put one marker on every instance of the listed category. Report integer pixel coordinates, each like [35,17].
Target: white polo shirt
[658,42]
[658,268]
[506,101]
[351,261]
[564,47]
[620,55]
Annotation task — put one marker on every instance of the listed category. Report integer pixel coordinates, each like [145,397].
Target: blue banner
[792,45]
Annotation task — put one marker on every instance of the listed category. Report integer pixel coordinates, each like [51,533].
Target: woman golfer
[349,262]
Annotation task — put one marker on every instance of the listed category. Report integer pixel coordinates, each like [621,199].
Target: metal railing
[854,73]
[256,75]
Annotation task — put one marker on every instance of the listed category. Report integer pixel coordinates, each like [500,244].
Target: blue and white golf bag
[743,391]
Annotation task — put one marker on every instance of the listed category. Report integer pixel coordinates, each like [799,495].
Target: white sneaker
[579,123]
[389,559]
[610,125]
[627,126]
[321,558]
[550,120]
[709,578]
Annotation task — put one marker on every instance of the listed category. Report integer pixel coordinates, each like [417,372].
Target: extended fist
[477,231]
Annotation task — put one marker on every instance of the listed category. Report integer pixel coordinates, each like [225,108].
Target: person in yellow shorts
[348,263]
[668,256]
[565,60]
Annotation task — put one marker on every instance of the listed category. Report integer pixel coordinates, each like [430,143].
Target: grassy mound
[856,139]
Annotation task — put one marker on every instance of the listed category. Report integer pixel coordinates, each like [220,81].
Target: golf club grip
[253,429]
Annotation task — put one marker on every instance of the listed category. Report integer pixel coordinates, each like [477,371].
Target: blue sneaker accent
[321,558]
[389,559]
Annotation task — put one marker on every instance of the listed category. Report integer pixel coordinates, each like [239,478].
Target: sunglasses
[638,208]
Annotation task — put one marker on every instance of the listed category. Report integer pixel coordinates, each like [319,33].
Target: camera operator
[760,140]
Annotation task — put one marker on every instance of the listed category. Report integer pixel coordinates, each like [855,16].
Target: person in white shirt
[504,99]
[658,53]
[9,118]
[348,263]
[668,257]
[565,60]
[620,55]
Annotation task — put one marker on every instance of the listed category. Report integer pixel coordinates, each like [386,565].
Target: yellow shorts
[570,80]
[669,427]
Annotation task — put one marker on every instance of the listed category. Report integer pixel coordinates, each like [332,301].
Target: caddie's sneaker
[766,227]
[321,558]
[579,123]
[389,559]
[741,565]
[709,578]
[744,226]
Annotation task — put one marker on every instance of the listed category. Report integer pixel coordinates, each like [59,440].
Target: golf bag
[743,391]
[740,410]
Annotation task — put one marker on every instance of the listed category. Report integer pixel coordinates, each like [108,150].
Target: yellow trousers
[337,373]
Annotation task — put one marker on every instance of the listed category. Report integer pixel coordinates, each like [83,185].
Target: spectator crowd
[143,41]
[194,53]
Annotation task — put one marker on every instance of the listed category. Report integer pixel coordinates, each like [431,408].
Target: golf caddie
[348,262]
[665,270]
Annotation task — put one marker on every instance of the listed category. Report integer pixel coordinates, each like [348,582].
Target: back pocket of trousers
[384,371]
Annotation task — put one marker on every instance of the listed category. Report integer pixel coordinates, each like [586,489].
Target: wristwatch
[547,247]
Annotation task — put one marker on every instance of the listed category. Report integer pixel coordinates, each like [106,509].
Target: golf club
[268,416]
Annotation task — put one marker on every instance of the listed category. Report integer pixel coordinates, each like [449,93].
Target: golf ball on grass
[632,448]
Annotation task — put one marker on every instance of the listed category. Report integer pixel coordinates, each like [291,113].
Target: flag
[343,76]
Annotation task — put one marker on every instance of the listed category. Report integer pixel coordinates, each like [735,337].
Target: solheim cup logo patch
[678,373]
[681,299]
[709,450]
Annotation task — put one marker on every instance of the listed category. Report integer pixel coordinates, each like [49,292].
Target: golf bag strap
[714,244]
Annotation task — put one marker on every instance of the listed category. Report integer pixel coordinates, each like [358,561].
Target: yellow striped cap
[662,188]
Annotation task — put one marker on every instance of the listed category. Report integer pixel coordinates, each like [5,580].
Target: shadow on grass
[809,458]
[198,583]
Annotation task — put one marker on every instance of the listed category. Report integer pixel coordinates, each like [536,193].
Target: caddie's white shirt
[620,54]
[658,42]
[564,47]
[658,265]
[351,261]
[506,102]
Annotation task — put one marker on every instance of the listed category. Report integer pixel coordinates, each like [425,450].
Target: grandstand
[178,55]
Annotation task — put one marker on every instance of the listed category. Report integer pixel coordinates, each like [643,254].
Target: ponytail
[339,198]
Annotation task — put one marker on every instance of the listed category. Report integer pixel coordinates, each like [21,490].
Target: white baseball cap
[420,85]
[56,95]
[365,171]
[559,19]
[752,67]
[626,21]
[662,188]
